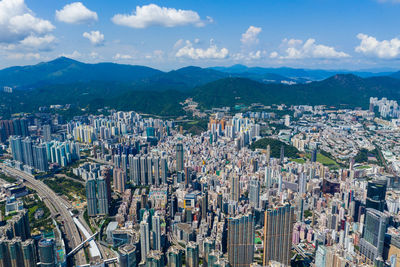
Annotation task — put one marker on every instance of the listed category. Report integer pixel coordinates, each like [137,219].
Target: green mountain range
[95,86]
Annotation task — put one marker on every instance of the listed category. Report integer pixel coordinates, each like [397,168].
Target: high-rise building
[127,256]
[163,170]
[156,229]
[179,157]
[119,177]
[91,198]
[29,253]
[208,247]
[192,254]
[376,194]
[16,148]
[102,196]
[154,259]
[46,132]
[235,190]
[27,149]
[254,193]
[144,239]
[143,171]
[241,240]
[40,155]
[156,173]
[97,196]
[282,155]
[278,230]
[174,255]
[372,241]
[134,170]
[47,253]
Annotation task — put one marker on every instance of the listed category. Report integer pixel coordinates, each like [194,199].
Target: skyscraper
[179,157]
[127,256]
[27,149]
[29,253]
[156,229]
[102,196]
[376,194]
[134,170]
[278,230]
[282,155]
[254,193]
[119,177]
[241,240]
[47,253]
[174,255]
[46,132]
[144,239]
[16,148]
[91,199]
[372,241]
[235,190]
[143,171]
[40,155]
[192,254]
[164,170]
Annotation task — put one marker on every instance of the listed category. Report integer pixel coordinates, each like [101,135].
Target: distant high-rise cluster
[30,153]
[386,108]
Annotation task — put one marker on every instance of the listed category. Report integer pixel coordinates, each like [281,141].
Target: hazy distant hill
[64,70]
[298,74]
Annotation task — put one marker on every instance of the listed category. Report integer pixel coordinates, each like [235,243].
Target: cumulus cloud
[76,13]
[95,37]
[41,43]
[212,52]
[119,56]
[253,55]
[156,54]
[385,49]
[250,37]
[297,49]
[18,22]
[154,15]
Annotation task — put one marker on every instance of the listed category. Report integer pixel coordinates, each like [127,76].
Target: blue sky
[330,34]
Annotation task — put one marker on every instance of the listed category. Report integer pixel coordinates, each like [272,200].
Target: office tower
[372,241]
[254,193]
[127,256]
[235,190]
[241,240]
[192,254]
[156,229]
[164,170]
[174,255]
[16,148]
[376,194]
[47,253]
[156,168]
[119,177]
[143,171]
[102,196]
[46,132]
[278,229]
[91,198]
[150,174]
[282,155]
[179,157]
[29,253]
[40,155]
[144,239]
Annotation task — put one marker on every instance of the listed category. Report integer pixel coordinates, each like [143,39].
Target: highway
[56,204]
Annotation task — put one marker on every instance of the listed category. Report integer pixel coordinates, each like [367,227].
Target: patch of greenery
[7,178]
[33,204]
[65,187]
[289,151]
[363,154]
